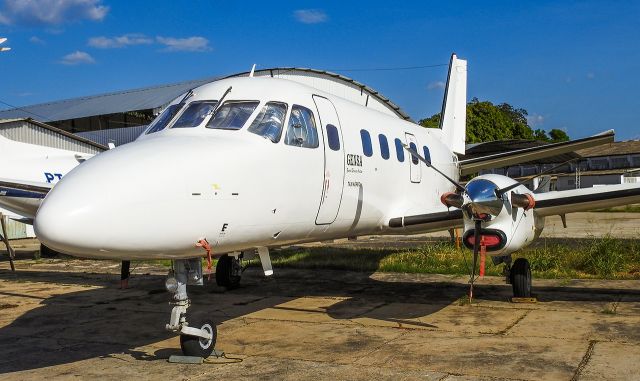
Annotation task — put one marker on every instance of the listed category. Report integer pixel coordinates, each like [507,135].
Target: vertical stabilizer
[453,117]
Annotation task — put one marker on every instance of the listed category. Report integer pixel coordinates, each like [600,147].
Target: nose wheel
[195,340]
[200,346]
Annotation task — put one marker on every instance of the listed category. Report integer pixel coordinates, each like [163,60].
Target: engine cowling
[508,221]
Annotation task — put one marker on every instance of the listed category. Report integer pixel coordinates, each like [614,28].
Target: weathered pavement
[67,320]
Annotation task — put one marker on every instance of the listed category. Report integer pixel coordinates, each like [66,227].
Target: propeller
[481,200]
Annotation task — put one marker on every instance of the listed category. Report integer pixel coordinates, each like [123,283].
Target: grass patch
[632,208]
[602,258]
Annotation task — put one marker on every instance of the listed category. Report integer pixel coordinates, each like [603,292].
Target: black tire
[197,346]
[521,278]
[46,252]
[225,271]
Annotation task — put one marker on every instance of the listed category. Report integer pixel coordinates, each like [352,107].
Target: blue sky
[572,65]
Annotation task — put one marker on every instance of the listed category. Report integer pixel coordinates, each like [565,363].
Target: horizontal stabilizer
[504,159]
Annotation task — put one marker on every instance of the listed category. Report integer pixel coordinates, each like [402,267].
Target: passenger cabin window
[270,121]
[232,115]
[427,154]
[399,150]
[384,146]
[333,137]
[414,158]
[163,119]
[195,114]
[301,131]
[367,149]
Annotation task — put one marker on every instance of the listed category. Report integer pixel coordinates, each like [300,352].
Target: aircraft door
[416,173]
[333,161]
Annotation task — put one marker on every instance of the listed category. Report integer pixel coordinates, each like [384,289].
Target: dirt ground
[67,319]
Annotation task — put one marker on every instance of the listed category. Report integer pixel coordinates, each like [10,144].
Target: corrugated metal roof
[360,93]
[159,96]
[628,147]
[110,103]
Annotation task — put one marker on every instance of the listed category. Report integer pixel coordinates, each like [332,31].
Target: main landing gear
[228,271]
[200,339]
[520,276]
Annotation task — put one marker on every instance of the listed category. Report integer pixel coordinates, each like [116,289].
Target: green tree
[557,135]
[488,122]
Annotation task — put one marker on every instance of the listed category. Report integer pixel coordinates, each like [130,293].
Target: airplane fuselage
[156,197]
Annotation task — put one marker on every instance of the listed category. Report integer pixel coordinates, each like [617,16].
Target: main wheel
[47,252]
[198,346]
[521,278]
[227,271]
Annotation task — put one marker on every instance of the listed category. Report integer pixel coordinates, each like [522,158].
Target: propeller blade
[428,164]
[476,250]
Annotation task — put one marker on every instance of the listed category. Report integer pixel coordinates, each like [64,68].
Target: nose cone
[106,207]
[484,200]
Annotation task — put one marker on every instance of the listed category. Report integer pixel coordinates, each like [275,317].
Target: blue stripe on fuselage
[9,192]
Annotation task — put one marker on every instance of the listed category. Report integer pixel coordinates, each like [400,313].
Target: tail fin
[453,117]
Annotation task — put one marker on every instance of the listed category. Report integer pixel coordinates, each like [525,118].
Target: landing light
[171,283]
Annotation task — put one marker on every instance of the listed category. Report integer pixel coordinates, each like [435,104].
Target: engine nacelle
[512,223]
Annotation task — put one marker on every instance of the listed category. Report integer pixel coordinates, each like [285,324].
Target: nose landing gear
[198,340]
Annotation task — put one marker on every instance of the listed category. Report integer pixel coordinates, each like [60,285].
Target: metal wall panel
[117,136]
[25,132]
[15,229]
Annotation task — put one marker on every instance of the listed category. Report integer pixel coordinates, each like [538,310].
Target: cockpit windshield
[167,115]
[269,121]
[195,114]
[232,115]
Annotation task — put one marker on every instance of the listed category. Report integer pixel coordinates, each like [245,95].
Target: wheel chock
[179,359]
[524,300]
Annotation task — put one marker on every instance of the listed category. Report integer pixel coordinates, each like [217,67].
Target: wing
[535,153]
[580,200]
[26,189]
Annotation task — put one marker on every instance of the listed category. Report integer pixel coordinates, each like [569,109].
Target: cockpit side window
[301,131]
[195,114]
[270,121]
[232,115]
[163,119]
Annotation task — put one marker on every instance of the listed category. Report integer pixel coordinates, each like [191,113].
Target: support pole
[5,239]
[124,274]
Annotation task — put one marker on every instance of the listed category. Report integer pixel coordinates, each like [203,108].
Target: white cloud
[436,85]
[51,12]
[310,16]
[189,44]
[535,120]
[591,75]
[36,40]
[77,58]
[119,41]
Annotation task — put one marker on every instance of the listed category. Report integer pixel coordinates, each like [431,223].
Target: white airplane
[242,165]
[35,168]
[4,48]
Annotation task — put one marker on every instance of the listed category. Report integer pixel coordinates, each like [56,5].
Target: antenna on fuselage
[253,69]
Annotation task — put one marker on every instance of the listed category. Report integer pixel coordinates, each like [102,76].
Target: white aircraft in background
[246,164]
[37,168]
